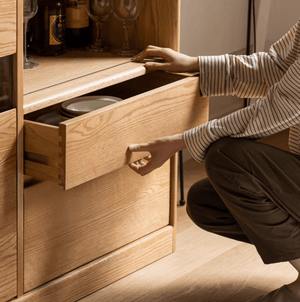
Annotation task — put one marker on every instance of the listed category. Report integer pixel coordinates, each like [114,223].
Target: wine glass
[98,11]
[126,11]
[29,11]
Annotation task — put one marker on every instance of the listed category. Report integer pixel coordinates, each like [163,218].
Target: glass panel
[6,81]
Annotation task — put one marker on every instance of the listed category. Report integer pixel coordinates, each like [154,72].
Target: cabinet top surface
[73,74]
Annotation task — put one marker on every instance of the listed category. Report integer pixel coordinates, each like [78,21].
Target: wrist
[194,64]
[178,142]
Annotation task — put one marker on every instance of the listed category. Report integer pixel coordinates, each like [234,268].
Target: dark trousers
[252,194]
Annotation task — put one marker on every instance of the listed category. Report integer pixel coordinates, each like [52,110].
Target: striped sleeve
[278,110]
[244,76]
[273,77]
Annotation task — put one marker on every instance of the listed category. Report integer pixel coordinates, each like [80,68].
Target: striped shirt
[273,78]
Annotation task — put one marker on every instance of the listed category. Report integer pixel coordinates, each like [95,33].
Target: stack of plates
[76,107]
[51,118]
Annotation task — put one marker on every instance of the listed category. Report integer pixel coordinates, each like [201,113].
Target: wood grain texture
[168,110]
[73,64]
[158,24]
[41,139]
[18,104]
[67,229]
[105,270]
[79,85]
[8,211]
[97,143]
[8,27]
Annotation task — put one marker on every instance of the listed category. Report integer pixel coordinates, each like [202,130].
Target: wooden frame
[8,206]
[18,104]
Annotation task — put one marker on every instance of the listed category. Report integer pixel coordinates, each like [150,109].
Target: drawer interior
[124,90]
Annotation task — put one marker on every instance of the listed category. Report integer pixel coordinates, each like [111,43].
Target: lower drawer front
[67,229]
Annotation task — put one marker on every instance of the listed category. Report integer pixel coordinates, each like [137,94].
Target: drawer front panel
[97,143]
[8,19]
[8,212]
[66,229]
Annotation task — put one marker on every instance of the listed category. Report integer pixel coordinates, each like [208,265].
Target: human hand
[161,150]
[172,61]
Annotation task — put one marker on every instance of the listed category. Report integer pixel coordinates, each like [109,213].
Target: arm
[249,76]
[161,150]
[276,75]
[244,76]
[279,110]
[172,60]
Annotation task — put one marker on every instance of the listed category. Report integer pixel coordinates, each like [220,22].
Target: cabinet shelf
[73,74]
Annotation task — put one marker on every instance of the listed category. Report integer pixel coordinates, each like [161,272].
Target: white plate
[87,104]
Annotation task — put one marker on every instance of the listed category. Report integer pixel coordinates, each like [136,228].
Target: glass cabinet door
[6,83]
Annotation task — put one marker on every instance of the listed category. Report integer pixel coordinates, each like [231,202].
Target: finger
[150,51]
[157,66]
[141,167]
[148,158]
[137,168]
[142,162]
[139,148]
[134,167]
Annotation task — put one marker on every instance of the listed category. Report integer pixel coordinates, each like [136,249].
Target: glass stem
[25,42]
[98,39]
[126,36]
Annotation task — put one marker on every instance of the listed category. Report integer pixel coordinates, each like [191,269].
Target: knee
[197,206]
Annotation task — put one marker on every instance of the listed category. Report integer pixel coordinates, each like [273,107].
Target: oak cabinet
[85,219]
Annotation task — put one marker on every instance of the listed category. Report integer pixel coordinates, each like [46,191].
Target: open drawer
[86,147]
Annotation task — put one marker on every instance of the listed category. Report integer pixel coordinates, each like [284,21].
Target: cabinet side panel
[8,260]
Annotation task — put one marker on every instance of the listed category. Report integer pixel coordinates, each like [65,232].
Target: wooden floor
[205,268]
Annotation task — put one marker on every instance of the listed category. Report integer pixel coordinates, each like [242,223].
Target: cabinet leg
[182,200]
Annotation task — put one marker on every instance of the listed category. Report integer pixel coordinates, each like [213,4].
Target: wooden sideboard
[73,216]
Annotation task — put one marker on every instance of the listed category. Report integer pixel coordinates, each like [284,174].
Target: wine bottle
[77,23]
[49,28]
